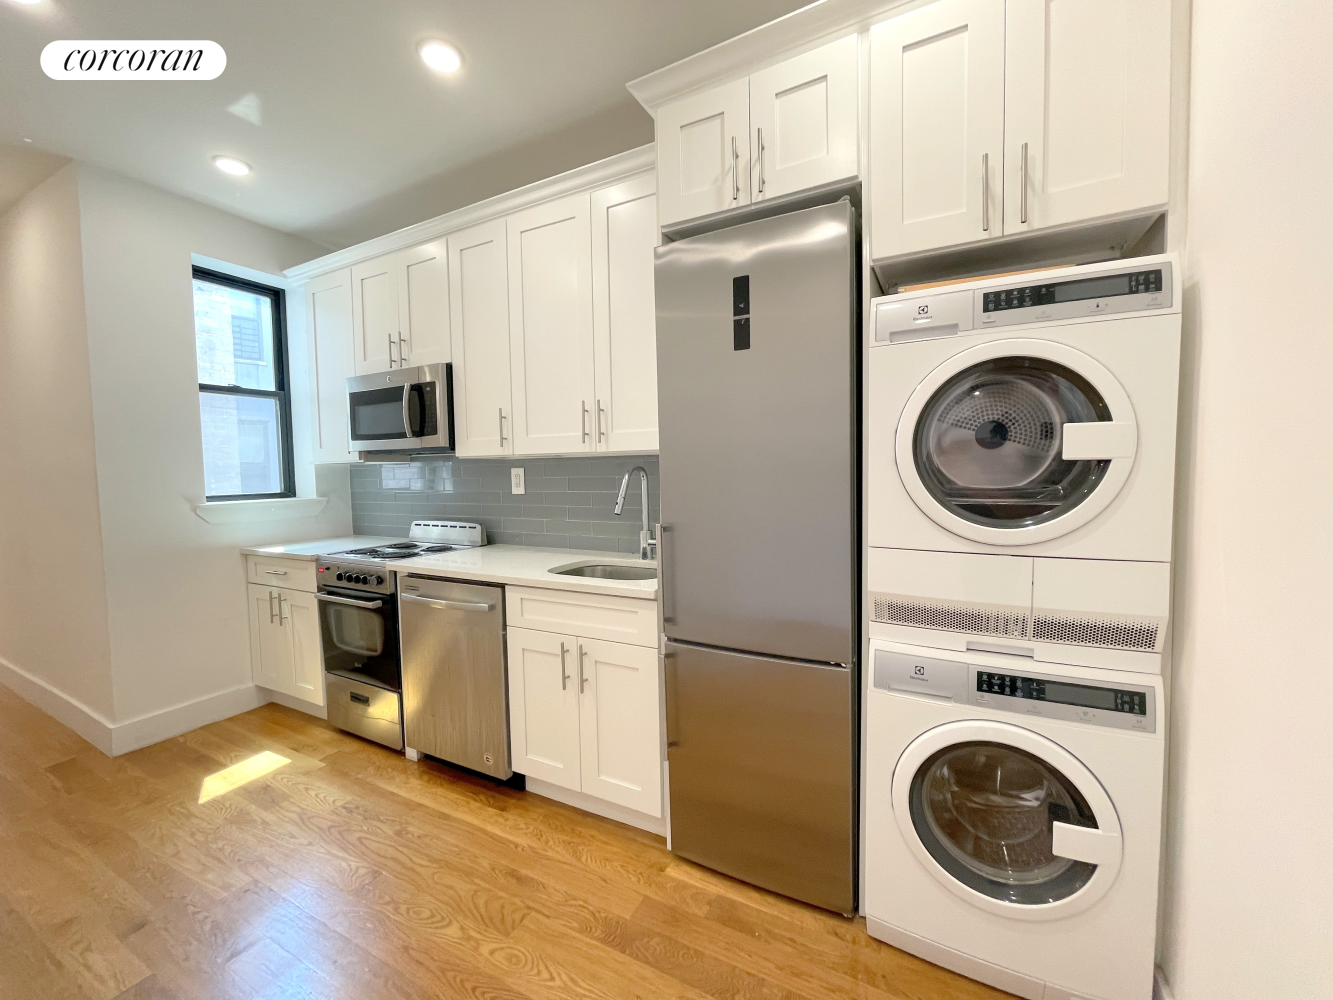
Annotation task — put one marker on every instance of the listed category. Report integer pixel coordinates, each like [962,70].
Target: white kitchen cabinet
[423,304]
[936,127]
[285,650]
[550,327]
[1086,110]
[544,707]
[585,711]
[479,334]
[374,316]
[328,311]
[621,759]
[703,153]
[624,236]
[400,309]
[803,120]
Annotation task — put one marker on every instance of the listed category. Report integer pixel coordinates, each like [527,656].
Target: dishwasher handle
[449,605]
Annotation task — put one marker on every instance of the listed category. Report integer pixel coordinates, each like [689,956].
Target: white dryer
[1021,463]
[1013,820]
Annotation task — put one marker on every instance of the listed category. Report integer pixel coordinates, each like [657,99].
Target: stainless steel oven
[358,622]
[403,409]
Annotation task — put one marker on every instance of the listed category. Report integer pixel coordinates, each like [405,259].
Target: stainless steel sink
[608,571]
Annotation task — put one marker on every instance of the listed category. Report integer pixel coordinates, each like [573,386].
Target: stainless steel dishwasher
[455,695]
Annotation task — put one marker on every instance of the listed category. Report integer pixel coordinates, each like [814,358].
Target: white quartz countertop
[515,565]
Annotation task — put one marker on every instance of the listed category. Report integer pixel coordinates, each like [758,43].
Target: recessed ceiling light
[27,3]
[231,165]
[441,57]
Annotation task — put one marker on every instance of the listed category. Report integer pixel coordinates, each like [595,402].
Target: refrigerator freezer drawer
[364,709]
[762,756]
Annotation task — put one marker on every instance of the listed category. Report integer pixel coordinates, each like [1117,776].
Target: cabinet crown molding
[806,28]
[585,178]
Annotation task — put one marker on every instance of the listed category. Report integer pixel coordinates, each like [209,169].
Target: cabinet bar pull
[402,353]
[271,615]
[1023,185]
[390,338]
[600,411]
[276,572]
[583,421]
[583,680]
[735,166]
[502,427]
[564,677]
[761,159]
[985,192]
[283,617]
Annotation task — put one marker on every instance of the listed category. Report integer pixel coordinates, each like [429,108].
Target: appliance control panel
[351,576]
[1107,292]
[1024,692]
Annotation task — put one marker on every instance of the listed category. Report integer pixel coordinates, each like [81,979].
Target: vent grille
[978,619]
[1120,633]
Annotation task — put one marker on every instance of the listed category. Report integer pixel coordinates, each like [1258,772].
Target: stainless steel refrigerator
[757,398]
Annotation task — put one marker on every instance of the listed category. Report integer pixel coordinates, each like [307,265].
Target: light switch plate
[516,481]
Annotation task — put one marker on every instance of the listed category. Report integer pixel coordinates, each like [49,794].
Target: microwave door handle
[408,429]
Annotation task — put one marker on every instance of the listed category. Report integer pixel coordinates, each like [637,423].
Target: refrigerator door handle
[663,578]
[669,682]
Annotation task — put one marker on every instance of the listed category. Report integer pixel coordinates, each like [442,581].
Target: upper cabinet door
[328,314]
[624,235]
[375,327]
[550,323]
[1087,109]
[936,127]
[423,304]
[803,121]
[479,333]
[703,153]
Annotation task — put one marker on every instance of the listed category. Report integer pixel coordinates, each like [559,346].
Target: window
[240,342]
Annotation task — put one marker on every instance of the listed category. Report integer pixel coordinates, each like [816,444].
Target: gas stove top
[368,568]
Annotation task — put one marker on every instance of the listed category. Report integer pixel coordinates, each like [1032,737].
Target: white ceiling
[358,137]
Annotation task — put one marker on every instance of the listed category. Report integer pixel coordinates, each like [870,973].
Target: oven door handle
[331,599]
[449,605]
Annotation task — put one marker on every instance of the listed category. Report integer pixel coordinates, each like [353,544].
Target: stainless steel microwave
[401,410]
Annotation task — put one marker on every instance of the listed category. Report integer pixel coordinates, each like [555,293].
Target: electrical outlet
[516,481]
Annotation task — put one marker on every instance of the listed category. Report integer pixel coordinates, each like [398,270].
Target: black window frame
[280,393]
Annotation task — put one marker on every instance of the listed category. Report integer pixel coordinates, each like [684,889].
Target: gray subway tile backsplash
[568,503]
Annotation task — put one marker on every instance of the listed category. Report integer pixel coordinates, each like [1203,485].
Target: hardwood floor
[350,872]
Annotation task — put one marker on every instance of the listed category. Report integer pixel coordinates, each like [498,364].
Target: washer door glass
[984,812]
[988,443]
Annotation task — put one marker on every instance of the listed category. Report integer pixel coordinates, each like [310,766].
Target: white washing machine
[1021,463]
[1013,820]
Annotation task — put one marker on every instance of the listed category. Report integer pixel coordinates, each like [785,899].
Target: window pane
[233,332]
[242,453]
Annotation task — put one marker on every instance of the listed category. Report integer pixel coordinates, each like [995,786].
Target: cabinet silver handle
[735,167]
[985,192]
[564,677]
[283,616]
[582,679]
[390,339]
[583,421]
[276,572]
[1023,184]
[502,426]
[271,615]
[761,159]
[600,411]
[402,352]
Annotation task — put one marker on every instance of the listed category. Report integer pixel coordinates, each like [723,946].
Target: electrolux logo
[133,60]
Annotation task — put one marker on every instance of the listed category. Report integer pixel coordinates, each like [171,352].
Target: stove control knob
[379,581]
[340,576]
[360,579]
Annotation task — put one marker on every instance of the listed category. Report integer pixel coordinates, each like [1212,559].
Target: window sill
[238,511]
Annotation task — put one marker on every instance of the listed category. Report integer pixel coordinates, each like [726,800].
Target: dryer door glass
[984,812]
[988,443]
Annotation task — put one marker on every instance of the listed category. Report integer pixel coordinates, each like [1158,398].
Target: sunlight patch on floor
[237,775]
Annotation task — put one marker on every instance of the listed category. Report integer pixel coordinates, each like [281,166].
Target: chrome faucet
[647,543]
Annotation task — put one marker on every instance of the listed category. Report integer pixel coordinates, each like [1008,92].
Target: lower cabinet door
[300,613]
[620,724]
[271,655]
[544,706]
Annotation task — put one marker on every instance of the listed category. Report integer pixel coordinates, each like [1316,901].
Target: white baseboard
[598,807]
[287,701]
[91,725]
[117,738]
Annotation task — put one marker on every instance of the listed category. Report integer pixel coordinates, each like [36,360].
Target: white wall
[176,586]
[1249,889]
[53,612]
